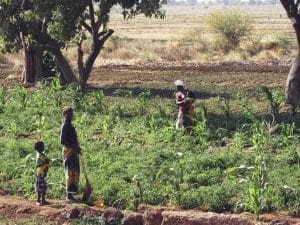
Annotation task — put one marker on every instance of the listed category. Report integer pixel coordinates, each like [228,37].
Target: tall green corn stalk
[275,101]
[224,104]
[239,140]
[55,90]
[287,136]
[39,100]
[201,130]
[259,135]
[143,102]
[98,104]
[117,110]
[40,120]
[78,99]
[22,96]
[107,125]
[173,177]
[258,185]
[169,133]
[258,180]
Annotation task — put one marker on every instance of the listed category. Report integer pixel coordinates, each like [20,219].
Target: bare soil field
[224,73]
[161,75]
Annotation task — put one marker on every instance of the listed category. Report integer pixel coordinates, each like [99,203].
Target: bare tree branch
[92,18]
[99,22]
[101,33]
[87,27]
[106,35]
[80,57]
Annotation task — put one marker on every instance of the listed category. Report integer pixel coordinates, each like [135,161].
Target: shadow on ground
[163,93]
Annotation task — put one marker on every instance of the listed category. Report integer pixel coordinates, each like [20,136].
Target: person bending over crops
[71,151]
[184,99]
[42,166]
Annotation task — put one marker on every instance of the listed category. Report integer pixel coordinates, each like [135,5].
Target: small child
[42,166]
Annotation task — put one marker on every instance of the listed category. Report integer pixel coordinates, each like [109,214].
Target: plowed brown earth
[161,75]
[247,74]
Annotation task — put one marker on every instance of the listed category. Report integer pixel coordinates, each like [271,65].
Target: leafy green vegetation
[134,155]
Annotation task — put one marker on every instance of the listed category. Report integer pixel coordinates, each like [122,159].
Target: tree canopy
[38,21]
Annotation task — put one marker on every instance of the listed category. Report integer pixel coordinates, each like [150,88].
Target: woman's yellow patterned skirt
[72,169]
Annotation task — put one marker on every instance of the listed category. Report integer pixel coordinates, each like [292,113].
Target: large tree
[50,25]
[292,89]
[96,22]
[27,25]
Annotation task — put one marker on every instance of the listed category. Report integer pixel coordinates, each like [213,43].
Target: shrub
[231,26]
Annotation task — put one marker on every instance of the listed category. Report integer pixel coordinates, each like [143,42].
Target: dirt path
[19,209]
[14,209]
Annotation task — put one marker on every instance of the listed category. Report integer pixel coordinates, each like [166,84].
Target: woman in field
[184,99]
[71,151]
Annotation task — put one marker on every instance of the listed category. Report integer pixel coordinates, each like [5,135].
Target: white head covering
[179,83]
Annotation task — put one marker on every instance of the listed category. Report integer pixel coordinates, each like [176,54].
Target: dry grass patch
[12,59]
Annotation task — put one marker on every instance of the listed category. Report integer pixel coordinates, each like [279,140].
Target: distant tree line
[187,2]
[225,2]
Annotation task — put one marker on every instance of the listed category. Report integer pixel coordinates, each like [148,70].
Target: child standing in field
[42,166]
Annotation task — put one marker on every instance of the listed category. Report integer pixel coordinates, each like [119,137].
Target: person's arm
[190,97]
[180,102]
[180,99]
[47,162]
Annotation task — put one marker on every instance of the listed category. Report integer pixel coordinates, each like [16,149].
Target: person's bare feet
[71,199]
[45,202]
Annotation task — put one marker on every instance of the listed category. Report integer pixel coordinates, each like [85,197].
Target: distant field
[185,36]
[181,19]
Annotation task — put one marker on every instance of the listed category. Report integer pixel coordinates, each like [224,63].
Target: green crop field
[243,154]
[237,158]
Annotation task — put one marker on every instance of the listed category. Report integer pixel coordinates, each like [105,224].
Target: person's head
[39,146]
[179,85]
[68,113]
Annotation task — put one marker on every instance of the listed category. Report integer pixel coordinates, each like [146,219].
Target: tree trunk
[64,66]
[32,71]
[292,88]
[86,69]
